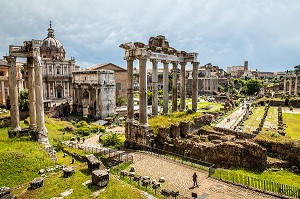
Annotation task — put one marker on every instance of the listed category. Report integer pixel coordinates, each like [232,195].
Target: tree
[22,99]
[253,86]
[121,101]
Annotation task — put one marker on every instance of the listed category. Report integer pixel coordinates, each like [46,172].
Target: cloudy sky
[223,32]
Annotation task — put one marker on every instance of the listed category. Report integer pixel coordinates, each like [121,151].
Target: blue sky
[223,32]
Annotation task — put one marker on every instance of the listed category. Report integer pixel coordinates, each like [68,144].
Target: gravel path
[179,178]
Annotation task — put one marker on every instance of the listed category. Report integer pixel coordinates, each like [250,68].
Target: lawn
[207,106]
[293,125]
[254,119]
[271,121]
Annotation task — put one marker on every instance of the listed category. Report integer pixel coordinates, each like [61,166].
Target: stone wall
[237,134]
[289,151]
[294,103]
[226,154]
[276,102]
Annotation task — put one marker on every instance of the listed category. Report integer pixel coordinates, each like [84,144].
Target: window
[58,71]
[1,73]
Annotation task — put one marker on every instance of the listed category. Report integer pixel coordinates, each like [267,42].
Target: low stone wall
[237,134]
[226,154]
[289,151]
[276,103]
[294,103]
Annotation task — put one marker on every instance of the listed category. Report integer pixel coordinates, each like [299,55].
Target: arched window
[58,71]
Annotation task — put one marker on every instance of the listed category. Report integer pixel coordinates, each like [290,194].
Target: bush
[82,123]
[112,140]
[190,111]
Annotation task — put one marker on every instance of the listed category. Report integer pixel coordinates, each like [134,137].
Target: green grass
[201,106]
[293,124]
[253,121]
[20,160]
[173,118]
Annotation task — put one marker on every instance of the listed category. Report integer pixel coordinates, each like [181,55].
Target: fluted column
[31,93]
[13,93]
[284,85]
[3,92]
[143,120]
[154,88]
[195,86]
[166,87]
[130,102]
[40,121]
[296,84]
[290,86]
[182,84]
[174,87]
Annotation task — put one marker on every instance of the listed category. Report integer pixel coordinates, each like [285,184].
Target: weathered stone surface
[66,193]
[100,177]
[93,162]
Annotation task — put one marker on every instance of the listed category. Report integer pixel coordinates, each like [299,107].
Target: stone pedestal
[100,178]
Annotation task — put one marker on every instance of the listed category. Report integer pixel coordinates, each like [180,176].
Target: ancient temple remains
[157,50]
[31,51]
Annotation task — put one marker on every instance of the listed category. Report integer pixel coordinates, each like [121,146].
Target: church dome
[52,48]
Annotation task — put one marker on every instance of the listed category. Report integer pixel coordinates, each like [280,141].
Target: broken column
[13,93]
[195,86]
[296,84]
[284,85]
[290,86]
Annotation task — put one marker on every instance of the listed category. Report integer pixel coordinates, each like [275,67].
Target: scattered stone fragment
[66,193]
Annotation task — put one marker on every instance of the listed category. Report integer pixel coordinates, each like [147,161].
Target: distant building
[57,71]
[4,85]
[238,71]
[94,93]
[120,76]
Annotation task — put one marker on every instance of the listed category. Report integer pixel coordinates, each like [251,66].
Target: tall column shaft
[195,86]
[130,102]
[143,120]
[13,93]
[284,85]
[154,88]
[31,94]
[182,85]
[166,87]
[290,86]
[40,121]
[174,87]
[3,92]
[296,85]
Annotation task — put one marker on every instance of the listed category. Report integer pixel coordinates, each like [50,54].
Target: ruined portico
[157,50]
[31,51]
[288,83]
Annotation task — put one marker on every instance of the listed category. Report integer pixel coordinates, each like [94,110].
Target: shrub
[82,123]
[112,140]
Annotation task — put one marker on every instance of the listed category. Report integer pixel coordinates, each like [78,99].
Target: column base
[145,125]
[32,126]
[16,129]
[43,137]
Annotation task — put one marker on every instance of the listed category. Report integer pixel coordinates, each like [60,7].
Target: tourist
[195,180]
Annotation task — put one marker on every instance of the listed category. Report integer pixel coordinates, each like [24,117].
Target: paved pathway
[179,178]
[232,118]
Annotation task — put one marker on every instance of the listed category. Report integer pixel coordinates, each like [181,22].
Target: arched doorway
[85,102]
[59,92]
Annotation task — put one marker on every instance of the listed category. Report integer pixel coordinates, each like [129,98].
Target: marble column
[296,85]
[40,121]
[166,87]
[154,88]
[3,92]
[13,93]
[174,87]
[130,102]
[290,86]
[183,86]
[284,85]
[195,86]
[143,120]
[31,93]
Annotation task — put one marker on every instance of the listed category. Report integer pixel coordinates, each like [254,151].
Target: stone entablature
[94,93]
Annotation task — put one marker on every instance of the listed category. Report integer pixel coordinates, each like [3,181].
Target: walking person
[195,180]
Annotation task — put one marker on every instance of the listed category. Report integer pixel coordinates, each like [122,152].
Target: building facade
[57,71]
[94,93]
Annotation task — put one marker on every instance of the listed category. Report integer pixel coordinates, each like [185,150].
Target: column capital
[141,57]
[174,63]
[154,61]
[10,59]
[165,61]
[129,58]
[30,62]
[195,62]
[182,63]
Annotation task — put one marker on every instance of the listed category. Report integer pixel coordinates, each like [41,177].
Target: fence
[255,183]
